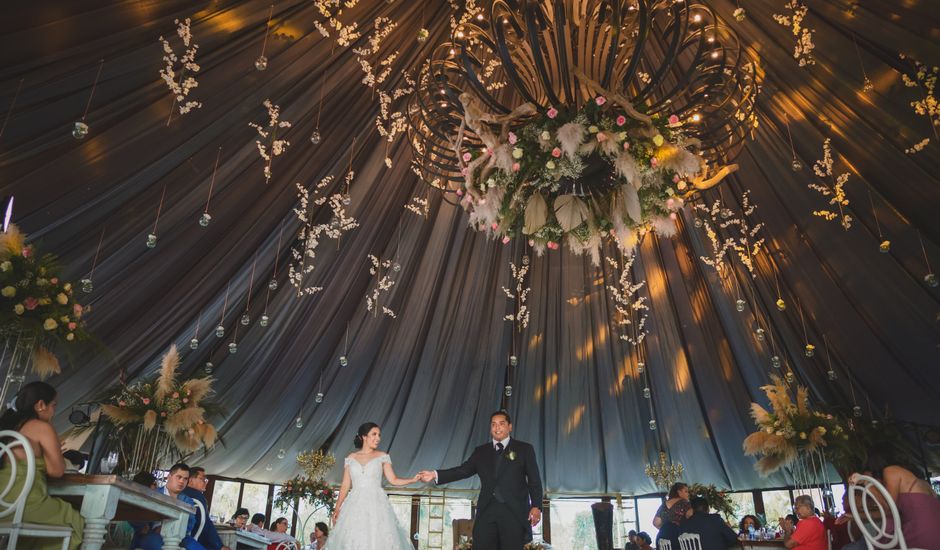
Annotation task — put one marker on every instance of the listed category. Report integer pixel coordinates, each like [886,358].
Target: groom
[510,498]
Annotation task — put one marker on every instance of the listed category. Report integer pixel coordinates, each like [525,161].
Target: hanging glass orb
[653,425]
[79,130]
[151,241]
[790,377]
[759,333]
[245,320]
[423,35]
[87,286]
[396,267]
[513,360]
[931,280]
[831,374]
[646,393]
[507,391]
[272,284]
[775,361]
[208,367]
[525,260]
[343,361]
[264,320]
[884,247]
[220,331]
[347,200]
[315,137]
[233,348]
[319,397]
[269,467]
[204,219]
[809,350]
[299,423]
[640,367]
[739,304]
[867,85]
[781,305]
[194,343]
[698,223]
[796,165]
[281,453]
[261,63]
[857,411]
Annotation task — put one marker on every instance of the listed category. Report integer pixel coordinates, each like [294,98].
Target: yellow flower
[8,291]
[62,298]
[517,153]
[67,286]
[550,165]
[781,305]
[6,266]
[622,136]
[658,140]
[593,129]
[44,301]
[50,324]
[70,337]
[546,136]
[64,319]
[822,430]
[19,309]
[802,435]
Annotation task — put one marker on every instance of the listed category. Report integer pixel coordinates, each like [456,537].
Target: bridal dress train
[367,520]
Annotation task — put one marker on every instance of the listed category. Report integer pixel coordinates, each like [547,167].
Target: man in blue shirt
[175,483]
[195,490]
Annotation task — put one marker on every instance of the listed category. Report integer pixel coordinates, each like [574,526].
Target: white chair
[690,541]
[664,544]
[201,515]
[864,489]
[14,505]
[286,545]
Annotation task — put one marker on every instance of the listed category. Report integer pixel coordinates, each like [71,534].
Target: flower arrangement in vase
[718,499]
[310,486]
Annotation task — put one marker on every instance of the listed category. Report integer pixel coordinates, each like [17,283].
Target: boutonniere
[511,455]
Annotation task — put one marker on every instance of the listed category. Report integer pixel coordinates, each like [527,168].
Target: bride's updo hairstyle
[363,431]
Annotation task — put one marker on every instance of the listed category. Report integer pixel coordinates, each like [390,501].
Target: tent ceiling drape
[431,376]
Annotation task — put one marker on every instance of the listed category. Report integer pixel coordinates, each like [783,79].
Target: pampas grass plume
[167,377]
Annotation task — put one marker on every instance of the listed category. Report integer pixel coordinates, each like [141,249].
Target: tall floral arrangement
[36,302]
[789,428]
[311,486]
[718,499]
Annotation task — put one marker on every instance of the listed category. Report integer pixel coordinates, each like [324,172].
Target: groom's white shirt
[493,443]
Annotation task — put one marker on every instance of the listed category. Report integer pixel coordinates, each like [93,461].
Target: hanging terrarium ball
[208,367]
[930,279]
[261,63]
[347,200]
[269,467]
[697,222]
[884,247]
[87,286]
[867,85]
[79,130]
[343,361]
[194,343]
[204,219]
[653,425]
[646,393]
[423,35]
[315,137]
[640,367]
[759,333]
[507,391]
[513,360]
[809,350]
[220,331]
[233,348]
[272,284]
[319,397]
[790,376]
[796,165]
[739,304]
[775,361]
[857,411]
[299,423]
[396,267]
[281,453]
[525,260]
[831,374]
[245,320]
[781,305]
[264,320]
[151,241]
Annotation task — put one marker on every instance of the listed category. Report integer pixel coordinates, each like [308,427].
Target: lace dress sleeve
[348,461]
[385,459]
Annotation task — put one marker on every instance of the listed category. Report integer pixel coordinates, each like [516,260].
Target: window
[624,520]
[744,503]
[255,498]
[224,499]
[838,492]
[573,524]
[307,517]
[646,510]
[777,504]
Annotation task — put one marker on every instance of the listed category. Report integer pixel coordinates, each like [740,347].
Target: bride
[364,518]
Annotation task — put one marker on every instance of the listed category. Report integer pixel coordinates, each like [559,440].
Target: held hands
[426,476]
[535,516]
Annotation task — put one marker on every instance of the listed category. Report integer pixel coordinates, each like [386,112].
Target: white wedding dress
[367,520]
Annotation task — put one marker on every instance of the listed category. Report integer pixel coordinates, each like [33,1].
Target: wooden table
[763,544]
[106,498]
[239,538]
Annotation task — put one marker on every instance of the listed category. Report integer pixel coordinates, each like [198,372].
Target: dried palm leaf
[570,136]
[167,378]
[45,363]
[119,415]
[150,420]
[570,211]
[536,214]
[183,419]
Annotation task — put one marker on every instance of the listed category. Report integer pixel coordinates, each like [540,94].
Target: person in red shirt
[809,533]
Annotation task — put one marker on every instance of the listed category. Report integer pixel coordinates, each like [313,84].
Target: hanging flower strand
[803,49]
[521,314]
[270,147]
[742,239]
[823,169]
[384,283]
[180,85]
[926,79]
[631,307]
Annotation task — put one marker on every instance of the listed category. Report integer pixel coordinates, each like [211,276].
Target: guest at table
[631,541]
[643,541]
[809,533]
[239,519]
[31,415]
[278,534]
[711,529]
[257,525]
[146,479]
[672,513]
[195,490]
[838,526]
[319,535]
[748,523]
[176,481]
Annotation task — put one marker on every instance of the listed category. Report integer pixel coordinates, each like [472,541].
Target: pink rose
[626,146]
[72,326]
[121,403]
[600,100]
[601,136]
[506,240]
[670,203]
[512,138]
[77,309]
[672,215]
[467,157]
[495,226]
[176,395]
[460,192]
[30,303]
[185,400]
[556,152]
[145,401]
[673,120]
[489,152]
[552,112]
[654,162]
[675,178]
[621,120]
[515,167]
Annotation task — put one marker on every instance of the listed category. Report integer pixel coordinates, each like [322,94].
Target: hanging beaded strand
[152,237]
[80,128]
[206,218]
[262,62]
[6,119]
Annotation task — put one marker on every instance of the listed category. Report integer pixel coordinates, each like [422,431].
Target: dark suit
[714,532]
[510,485]
[209,537]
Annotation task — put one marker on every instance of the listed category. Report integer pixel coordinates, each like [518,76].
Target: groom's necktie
[499,447]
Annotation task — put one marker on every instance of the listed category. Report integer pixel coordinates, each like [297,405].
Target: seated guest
[631,541]
[711,529]
[838,527]
[643,541]
[278,534]
[319,536]
[31,415]
[146,479]
[239,519]
[747,524]
[809,533]
[175,483]
[194,490]
[257,525]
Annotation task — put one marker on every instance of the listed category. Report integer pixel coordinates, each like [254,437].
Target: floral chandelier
[573,121]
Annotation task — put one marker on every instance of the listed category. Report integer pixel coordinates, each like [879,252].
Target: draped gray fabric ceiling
[432,376]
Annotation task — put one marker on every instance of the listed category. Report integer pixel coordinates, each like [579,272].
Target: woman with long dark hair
[364,517]
[31,414]
[672,513]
